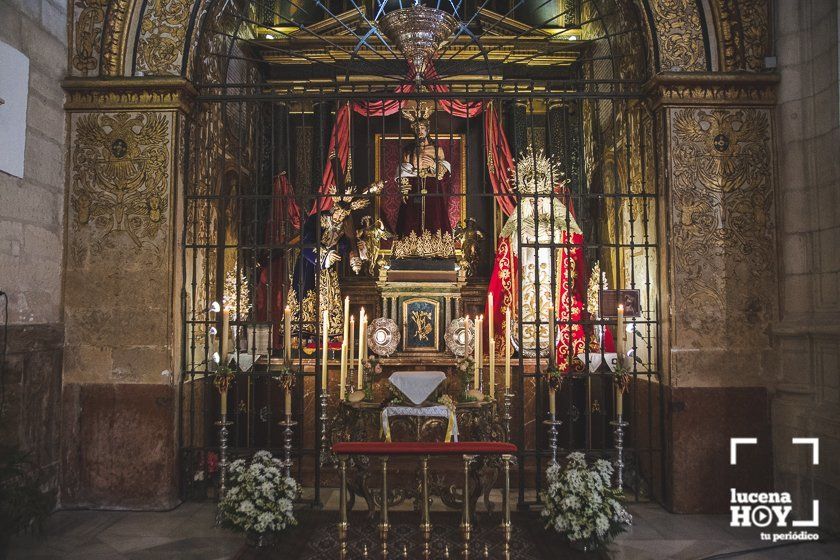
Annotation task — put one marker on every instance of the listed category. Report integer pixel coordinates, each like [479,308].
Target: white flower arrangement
[259,498]
[582,504]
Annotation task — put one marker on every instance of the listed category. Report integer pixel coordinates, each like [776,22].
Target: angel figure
[469,236]
[371,235]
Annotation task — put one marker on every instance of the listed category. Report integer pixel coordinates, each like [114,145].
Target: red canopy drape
[499,156]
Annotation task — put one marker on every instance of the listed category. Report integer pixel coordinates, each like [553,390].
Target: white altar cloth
[439,411]
[417,385]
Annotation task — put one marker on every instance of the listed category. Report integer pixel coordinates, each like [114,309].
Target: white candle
[492,357]
[288,407]
[619,335]
[223,337]
[479,324]
[350,347]
[619,400]
[508,334]
[223,395]
[490,313]
[552,354]
[326,354]
[287,333]
[343,381]
[552,406]
[346,323]
[362,324]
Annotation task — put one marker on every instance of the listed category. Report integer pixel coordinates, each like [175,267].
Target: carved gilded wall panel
[88,21]
[120,192]
[680,35]
[721,225]
[114,37]
[160,47]
[121,229]
[743,33]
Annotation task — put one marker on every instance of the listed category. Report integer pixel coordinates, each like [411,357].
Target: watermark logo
[772,509]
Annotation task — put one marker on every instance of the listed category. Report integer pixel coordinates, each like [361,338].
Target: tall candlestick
[476,335]
[480,343]
[479,326]
[350,347]
[619,335]
[287,333]
[326,352]
[619,350]
[362,324]
[508,334]
[552,354]
[490,313]
[492,358]
[343,380]
[346,322]
[223,337]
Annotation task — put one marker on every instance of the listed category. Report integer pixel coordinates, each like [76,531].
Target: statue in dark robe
[425,178]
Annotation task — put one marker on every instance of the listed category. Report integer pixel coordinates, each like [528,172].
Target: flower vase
[258,540]
[583,545]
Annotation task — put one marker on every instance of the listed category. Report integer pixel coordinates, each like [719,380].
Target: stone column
[122,292]
[719,294]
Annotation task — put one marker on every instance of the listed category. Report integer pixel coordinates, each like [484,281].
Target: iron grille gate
[239,239]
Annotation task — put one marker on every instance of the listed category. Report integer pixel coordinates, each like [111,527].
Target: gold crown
[421,111]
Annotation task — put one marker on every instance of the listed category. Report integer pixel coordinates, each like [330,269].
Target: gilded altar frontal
[314,279]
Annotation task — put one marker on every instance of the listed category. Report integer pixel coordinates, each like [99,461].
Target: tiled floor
[188,532]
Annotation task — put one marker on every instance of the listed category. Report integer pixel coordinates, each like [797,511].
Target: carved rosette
[120,182]
[722,223]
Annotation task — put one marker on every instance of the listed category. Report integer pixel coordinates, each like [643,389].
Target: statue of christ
[424,177]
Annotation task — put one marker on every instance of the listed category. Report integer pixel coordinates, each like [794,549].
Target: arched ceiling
[629,39]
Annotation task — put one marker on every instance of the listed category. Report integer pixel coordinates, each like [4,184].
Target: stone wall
[31,237]
[807,398]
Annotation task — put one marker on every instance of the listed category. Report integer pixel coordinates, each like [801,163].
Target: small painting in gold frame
[421,324]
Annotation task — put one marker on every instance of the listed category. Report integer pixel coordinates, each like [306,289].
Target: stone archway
[129,94]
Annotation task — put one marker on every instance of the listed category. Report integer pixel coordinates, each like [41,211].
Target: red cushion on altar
[422,448]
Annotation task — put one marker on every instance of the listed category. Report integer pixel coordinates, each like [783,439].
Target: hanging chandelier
[419,32]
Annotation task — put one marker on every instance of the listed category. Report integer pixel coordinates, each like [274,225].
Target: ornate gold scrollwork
[87,34]
[161,44]
[721,198]
[680,34]
[121,175]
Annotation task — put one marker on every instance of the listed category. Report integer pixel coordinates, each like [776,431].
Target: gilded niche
[161,44]
[120,176]
[680,35]
[722,216]
[89,18]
